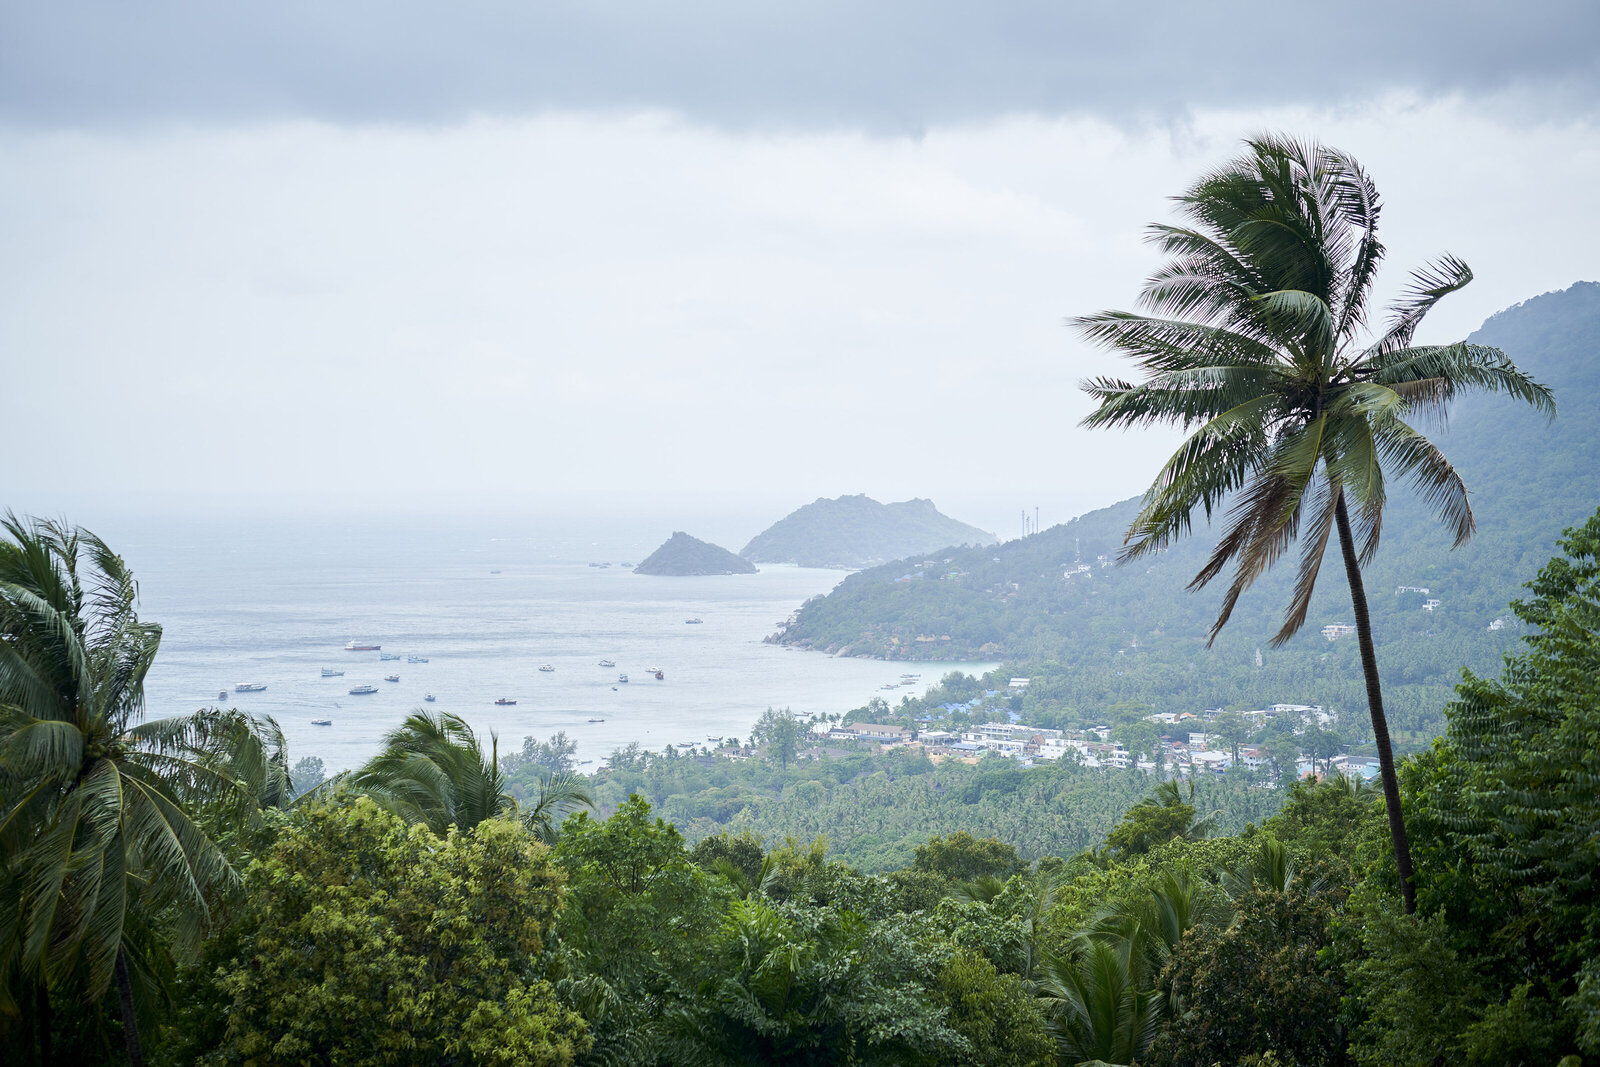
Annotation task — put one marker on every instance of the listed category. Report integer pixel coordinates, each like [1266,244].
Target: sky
[714,259]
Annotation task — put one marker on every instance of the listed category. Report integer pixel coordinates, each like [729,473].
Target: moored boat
[355,646]
[546,668]
[622,677]
[363,690]
[696,621]
[329,672]
[660,675]
[249,687]
[505,701]
[429,697]
[416,659]
[321,722]
[608,663]
[389,655]
[391,677]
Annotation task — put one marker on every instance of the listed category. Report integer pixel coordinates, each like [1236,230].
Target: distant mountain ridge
[682,556]
[857,531]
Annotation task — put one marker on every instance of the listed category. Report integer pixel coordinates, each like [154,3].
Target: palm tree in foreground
[433,770]
[102,855]
[1256,343]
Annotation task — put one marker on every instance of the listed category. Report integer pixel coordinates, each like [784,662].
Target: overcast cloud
[610,255]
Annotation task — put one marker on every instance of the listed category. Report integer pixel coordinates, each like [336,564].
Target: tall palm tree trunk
[1380,724]
[130,1024]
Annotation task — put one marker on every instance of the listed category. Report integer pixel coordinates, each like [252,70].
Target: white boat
[429,697]
[391,677]
[546,668]
[321,722]
[363,690]
[693,622]
[416,659]
[389,655]
[622,677]
[248,687]
[329,672]
[608,663]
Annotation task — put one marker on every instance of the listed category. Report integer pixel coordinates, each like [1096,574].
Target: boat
[416,659]
[710,738]
[696,621]
[429,697]
[222,695]
[363,690]
[329,672]
[391,677]
[354,647]
[546,668]
[660,676]
[389,655]
[584,761]
[321,722]
[248,687]
[622,677]
[608,663]
[597,720]
[503,701]
[494,572]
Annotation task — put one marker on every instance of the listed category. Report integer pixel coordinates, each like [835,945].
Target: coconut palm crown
[1256,342]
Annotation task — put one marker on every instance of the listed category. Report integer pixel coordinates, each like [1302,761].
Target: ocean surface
[273,601]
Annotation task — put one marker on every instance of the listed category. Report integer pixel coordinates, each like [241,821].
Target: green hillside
[1098,634]
[682,556]
[857,531]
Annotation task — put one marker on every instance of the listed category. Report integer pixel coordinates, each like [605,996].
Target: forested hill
[857,531]
[685,556]
[1134,632]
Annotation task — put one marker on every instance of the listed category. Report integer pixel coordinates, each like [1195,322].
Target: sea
[474,608]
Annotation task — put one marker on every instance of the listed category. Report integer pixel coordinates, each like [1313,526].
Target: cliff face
[857,531]
[685,556]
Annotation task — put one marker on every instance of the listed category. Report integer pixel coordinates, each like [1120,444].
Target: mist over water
[486,602]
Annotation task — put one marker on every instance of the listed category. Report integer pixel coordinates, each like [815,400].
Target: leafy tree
[781,733]
[1160,817]
[308,772]
[994,1012]
[1233,730]
[1097,1004]
[552,757]
[368,942]
[964,858]
[105,859]
[433,770]
[1264,983]
[1257,343]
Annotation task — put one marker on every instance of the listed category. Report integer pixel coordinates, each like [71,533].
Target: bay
[272,600]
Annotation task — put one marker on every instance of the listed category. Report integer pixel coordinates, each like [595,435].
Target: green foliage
[368,942]
[1000,1021]
[1158,819]
[780,733]
[1263,983]
[962,857]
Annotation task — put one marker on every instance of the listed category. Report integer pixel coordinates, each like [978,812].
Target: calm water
[487,603]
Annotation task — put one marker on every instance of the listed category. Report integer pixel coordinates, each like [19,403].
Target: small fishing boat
[504,702]
[329,672]
[429,697]
[661,675]
[390,655]
[597,720]
[546,668]
[696,621]
[391,677]
[416,659]
[622,678]
[222,695]
[355,646]
[363,690]
[249,687]
[321,722]
[608,663]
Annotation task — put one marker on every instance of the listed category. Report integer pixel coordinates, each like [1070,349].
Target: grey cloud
[889,65]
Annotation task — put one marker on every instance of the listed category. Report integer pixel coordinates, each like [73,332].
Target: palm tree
[101,850]
[1098,1004]
[1257,344]
[433,770]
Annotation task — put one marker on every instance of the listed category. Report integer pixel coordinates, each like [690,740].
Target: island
[684,556]
[851,532]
